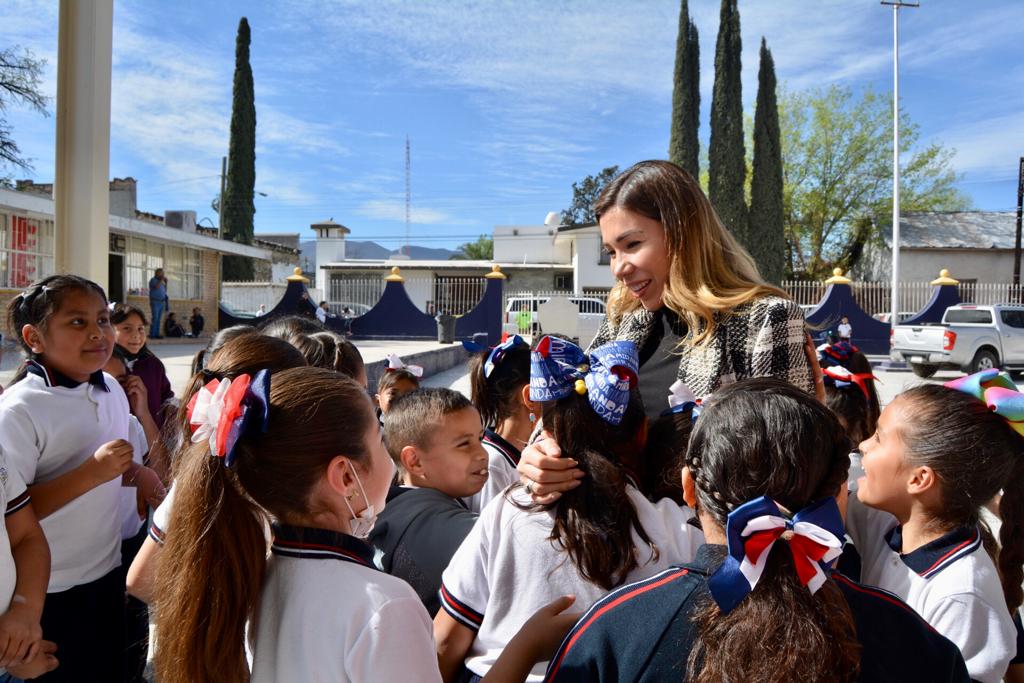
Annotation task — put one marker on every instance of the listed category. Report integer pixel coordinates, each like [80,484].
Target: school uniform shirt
[150,369]
[508,568]
[645,632]
[502,459]
[161,516]
[417,533]
[951,582]
[50,426]
[130,520]
[327,613]
[13,497]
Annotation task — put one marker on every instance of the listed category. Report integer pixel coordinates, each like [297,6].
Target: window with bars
[26,250]
[182,266]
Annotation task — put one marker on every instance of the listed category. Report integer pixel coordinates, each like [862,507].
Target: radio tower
[408,193]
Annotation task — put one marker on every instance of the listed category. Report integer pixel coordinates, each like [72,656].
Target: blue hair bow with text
[559,367]
[814,535]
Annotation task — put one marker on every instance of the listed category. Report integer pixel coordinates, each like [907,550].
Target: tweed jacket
[764,337]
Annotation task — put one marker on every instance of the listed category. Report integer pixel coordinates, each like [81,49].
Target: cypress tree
[236,215]
[766,229]
[727,157]
[684,147]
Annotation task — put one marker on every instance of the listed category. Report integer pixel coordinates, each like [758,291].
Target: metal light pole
[895,294]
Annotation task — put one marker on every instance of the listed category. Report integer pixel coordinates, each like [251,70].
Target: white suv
[521,311]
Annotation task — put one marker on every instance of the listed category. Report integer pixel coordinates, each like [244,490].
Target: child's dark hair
[246,353]
[37,304]
[203,356]
[123,311]
[413,418]
[851,407]
[594,521]
[658,467]
[975,454]
[390,378]
[326,349]
[498,397]
[210,573]
[764,437]
[858,363]
[291,326]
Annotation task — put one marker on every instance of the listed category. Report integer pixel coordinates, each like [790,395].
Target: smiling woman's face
[639,255]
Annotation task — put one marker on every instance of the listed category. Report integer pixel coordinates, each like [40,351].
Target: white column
[81,189]
[895,166]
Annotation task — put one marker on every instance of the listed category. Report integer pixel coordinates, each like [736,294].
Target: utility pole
[220,204]
[895,294]
[1016,243]
[408,193]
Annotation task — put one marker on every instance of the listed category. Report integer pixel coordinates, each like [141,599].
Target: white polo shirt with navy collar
[951,582]
[50,426]
[507,568]
[502,459]
[327,613]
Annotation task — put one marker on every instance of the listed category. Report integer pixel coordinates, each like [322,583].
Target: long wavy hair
[710,273]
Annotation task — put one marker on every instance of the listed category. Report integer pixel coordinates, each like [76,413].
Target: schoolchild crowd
[280,521]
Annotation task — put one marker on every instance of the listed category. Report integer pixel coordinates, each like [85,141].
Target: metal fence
[875,298]
[454,295]
[247,297]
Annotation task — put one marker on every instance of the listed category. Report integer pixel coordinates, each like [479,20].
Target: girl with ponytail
[938,455]
[520,556]
[766,471]
[500,390]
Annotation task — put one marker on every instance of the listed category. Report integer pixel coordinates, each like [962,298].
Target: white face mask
[362,524]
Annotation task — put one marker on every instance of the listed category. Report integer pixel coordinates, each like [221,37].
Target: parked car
[887,316]
[969,338]
[522,312]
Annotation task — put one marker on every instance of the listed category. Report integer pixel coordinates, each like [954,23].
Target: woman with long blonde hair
[689,296]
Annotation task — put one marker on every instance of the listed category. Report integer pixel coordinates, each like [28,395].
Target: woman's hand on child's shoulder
[545,473]
[112,459]
[40,662]
[20,634]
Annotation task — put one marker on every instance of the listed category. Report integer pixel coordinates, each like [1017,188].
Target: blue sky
[506,103]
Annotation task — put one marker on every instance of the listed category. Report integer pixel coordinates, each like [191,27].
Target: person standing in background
[157,301]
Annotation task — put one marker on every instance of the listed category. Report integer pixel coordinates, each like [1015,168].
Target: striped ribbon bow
[814,536]
[223,410]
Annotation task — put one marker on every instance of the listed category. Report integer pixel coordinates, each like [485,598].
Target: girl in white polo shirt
[938,455]
[301,449]
[64,426]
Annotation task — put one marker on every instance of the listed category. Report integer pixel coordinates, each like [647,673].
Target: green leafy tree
[684,146]
[584,194]
[837,174]
[480,250]
[726,153]
[766,229]
[20,82]
[239,209]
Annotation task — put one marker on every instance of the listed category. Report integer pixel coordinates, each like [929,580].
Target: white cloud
[983,148]
[383,209]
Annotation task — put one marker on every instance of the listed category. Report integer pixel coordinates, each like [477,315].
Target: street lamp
[895,294]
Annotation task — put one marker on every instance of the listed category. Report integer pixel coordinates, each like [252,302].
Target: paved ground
[177,357]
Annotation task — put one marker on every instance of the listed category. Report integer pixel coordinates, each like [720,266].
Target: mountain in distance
[355,249]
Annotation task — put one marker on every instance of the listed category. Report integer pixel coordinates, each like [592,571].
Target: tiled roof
[956,230]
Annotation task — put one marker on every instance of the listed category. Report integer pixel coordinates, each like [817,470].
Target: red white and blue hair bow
[815,537]
[840,377]
[396,363]
[497,353]
[838,353]
[998,391]
[559,367]
[682,399]
[223,410]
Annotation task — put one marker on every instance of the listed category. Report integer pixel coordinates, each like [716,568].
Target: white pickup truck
[969,338]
